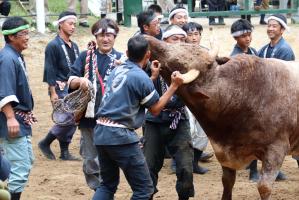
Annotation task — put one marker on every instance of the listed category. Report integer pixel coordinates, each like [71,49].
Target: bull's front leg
[228,181]
[271,164]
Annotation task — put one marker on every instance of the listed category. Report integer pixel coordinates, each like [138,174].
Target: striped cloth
[28,117]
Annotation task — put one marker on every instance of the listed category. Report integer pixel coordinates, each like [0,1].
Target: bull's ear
[222,60]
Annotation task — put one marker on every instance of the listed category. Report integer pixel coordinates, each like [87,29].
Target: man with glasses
[149,24]
[16,105]
[60,54]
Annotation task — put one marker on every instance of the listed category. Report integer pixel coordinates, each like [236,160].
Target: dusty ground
[61,180]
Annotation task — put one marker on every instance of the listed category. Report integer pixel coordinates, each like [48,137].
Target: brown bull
[248,106]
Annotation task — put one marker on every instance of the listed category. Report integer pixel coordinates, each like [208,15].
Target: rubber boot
[119,18]
[197,169]
[44,146]
[253,173]
[65,154]
[16,196]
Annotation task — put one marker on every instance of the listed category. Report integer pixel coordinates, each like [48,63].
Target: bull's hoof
[281,176]
[254,175]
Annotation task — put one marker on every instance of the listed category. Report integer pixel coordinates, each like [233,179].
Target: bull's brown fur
[251,112]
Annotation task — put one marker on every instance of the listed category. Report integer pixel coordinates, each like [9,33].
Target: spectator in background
[264,4]
[83,11]
[5,7]
[119,11]
[242,7]
[32,10]
[166,5]
[216,5]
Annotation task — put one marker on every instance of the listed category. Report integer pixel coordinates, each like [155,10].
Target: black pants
[157,136]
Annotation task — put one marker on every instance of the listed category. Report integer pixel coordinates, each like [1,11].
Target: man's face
[179,19]
[68,26]
[274,29]
[105,42]
[244,40]
[175,39]
[193,36]
[153,28]
[20,40]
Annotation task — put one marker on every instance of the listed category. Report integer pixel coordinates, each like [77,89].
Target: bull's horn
[190,76]
[213,44]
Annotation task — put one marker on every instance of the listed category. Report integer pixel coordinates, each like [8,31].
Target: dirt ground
[64,180]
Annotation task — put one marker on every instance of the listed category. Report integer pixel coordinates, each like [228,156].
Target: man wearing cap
[16,105]
[170,129]
[178,16]
[278,47]
[60,54]
[149,24]
[94,65]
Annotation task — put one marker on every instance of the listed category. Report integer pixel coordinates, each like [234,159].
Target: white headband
[55,23]
[109,30]
[177,11]
[285,26]
[173,31]
[239,33]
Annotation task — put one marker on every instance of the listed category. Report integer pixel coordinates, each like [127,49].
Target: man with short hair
[241,31]
[16,105]
[128,93]
[97,71]
[178,16]
[149,24]
[60,54]
[278,47]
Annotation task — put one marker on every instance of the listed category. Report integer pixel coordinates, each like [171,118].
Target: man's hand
[176,79]
[84,83]
[53,97]
[155,69]
[13,127]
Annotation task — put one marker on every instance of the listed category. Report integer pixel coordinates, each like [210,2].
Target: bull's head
[191,60]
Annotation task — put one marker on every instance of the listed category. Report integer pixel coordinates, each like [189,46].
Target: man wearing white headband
[94,65]
[178,16]
[174,34]
[60,54]
[241,31]
[277,48]
[16,105]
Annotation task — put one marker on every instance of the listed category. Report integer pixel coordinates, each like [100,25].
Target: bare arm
[53,94]
[176,81]
[12,123]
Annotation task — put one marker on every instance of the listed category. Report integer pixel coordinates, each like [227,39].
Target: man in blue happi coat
[16,105]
